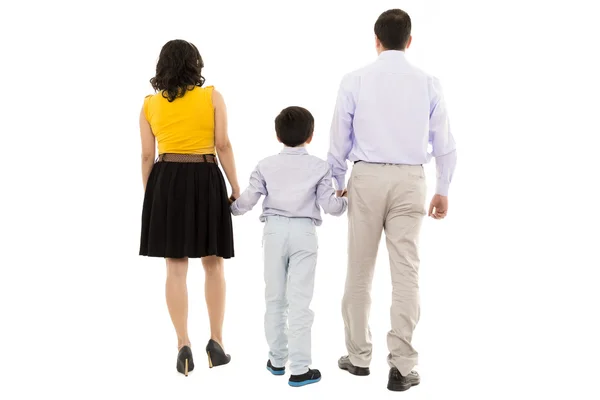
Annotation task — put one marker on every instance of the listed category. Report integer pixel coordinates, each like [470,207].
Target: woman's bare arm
[223,145]
[148,148]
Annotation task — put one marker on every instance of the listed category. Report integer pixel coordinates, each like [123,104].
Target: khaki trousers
[390,198]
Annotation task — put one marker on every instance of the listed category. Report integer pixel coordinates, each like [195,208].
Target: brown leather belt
[187,158]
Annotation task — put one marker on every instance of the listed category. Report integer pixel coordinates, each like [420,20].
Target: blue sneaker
[275,370]
[312,376]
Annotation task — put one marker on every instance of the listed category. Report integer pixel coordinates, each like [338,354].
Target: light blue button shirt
[295,185]
[391,112]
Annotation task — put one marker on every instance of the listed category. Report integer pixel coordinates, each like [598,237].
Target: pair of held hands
[438,208]
[234,196]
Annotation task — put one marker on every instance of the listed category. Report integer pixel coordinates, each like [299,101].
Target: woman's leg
[177,297]
[214,291]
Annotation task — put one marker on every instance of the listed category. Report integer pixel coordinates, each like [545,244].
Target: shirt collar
[392,54]
[294,150]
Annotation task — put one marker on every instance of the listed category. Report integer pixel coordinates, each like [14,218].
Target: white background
[508,281]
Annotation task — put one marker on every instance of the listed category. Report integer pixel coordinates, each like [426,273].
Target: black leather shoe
[399,383]
[345,364]
[185,361]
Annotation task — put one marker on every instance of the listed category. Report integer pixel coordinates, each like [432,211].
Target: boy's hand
[345,193]
[438,207]
[340,193]
[233,198]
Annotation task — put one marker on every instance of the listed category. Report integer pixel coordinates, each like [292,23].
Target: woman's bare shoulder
[217,98]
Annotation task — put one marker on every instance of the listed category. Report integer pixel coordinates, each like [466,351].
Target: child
[295,185]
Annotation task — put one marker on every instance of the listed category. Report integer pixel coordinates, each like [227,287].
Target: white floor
[101,329]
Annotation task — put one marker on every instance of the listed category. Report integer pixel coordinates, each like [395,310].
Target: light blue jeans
[290,256]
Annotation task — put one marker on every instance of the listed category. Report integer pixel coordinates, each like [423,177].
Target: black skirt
[186,212]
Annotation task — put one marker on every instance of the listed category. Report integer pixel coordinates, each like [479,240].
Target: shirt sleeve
[441,140]
[326,198]
[341,133]
[251,195]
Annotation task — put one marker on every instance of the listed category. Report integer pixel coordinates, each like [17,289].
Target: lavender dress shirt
[391,112]
[295,185]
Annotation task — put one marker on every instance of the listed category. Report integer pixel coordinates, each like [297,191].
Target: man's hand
[341,193]
[438,207]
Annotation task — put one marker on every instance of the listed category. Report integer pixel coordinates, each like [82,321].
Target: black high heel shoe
[185,360]
[216,355]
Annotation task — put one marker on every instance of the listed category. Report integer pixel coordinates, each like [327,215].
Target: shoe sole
[401,388]
[303,383]
[274,372]
[355,370]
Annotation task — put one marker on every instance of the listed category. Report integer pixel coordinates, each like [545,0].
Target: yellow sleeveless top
[184,126]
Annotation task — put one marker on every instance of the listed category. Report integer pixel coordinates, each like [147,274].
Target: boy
[295,185]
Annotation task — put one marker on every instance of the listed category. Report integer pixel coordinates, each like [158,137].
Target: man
[385,117]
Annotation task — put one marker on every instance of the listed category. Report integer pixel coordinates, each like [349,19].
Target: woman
[186,209]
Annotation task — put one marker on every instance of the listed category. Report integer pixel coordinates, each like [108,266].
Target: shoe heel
[216,355]
[185,361]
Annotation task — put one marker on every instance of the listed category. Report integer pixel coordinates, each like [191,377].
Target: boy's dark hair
[294,126]
[393,29]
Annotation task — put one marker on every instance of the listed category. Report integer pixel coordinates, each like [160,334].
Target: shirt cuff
[234,209]
[442,188]
[339,182]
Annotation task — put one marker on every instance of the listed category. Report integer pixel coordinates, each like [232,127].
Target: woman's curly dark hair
[179,67]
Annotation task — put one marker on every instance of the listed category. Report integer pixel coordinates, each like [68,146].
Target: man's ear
[310,138]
